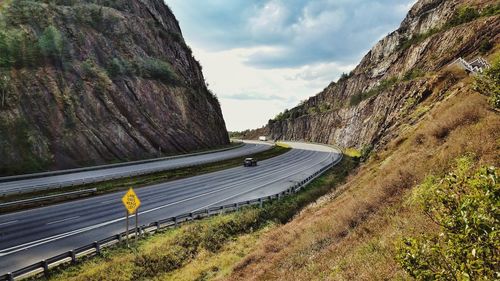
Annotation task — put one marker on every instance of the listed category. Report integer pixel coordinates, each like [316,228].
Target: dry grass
[352,235]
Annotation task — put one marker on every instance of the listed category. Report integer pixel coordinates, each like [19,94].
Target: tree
[4,84]
[5,60]
[51,43]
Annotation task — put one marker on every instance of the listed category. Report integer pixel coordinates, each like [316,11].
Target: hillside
[88,82]
[364,107]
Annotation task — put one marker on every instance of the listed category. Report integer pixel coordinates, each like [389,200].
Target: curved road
[30,236]
[107,173]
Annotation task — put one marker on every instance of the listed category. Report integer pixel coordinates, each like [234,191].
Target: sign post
[131,203]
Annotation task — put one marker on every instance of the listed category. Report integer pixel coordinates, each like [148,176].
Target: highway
[43,181]
[29,236]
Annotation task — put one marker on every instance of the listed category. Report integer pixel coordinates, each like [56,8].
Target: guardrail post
[97,247]
[191,216]
[237,206]
[260,202]
[10,277]
[221,210]
[207,211]
[45,266]
[157,224]
[175,221]
[279,196]
[73,256]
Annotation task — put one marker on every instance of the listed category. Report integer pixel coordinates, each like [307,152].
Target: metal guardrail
[49,186]
[43,198]
[96,247]
[93,168]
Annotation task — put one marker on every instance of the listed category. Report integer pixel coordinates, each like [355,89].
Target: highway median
[30,200]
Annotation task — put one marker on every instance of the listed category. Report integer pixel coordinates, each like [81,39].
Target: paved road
[80,177]
[29,236]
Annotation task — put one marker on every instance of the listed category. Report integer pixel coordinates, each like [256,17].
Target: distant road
[29,236]
[78,177]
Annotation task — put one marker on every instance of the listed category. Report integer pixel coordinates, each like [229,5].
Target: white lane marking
[18,248]
[252,189]
[66,219]
[9,222]
[110,201]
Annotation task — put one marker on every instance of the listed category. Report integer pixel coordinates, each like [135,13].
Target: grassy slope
[353,234]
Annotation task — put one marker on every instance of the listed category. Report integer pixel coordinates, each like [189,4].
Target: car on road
[249,162]
[263,138]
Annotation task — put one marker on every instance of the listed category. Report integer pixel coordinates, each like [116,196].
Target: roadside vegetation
[139,181]
[488,83]
[203,249]
[465,204]
[373,228]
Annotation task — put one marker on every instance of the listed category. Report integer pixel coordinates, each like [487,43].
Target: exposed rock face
[99,81]
[393,77]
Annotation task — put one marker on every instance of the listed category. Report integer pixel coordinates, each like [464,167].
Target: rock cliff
[362,107]
[96,81]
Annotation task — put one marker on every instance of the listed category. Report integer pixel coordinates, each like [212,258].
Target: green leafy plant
[465,204]
[463,15]
[488,83]
[158,70]
[383,85]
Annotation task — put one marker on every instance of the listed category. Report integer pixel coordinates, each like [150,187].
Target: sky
[263,56]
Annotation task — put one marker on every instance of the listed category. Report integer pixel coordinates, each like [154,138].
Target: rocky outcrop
[395,75]
[89,82]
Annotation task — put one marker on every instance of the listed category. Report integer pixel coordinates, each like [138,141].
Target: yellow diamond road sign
[131,201]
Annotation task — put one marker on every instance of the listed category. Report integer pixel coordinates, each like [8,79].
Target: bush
[488,83]
[463,15]
[413,73]
[383,85]
[158,70]
[118,67]
[485,46]
[465,205]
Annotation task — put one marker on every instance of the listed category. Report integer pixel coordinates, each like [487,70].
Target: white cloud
[263,56]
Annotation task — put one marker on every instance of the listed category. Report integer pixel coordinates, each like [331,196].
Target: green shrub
[466,207]
[365,151]
[485,46]
[463,15]
[488,83]
[118,67]
[383,85]
[28,12]
[413,73]
[282,115]
[158,70]
[406,42]
[491,10]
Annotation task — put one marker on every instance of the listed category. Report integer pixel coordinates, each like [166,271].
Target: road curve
[30,236]
[107,173]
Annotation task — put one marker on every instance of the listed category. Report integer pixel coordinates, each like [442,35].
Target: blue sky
[262,56]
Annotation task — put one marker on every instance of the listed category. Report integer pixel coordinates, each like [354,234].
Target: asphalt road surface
[80,177]
[30,236]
